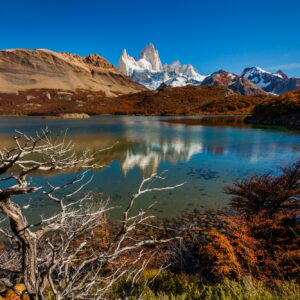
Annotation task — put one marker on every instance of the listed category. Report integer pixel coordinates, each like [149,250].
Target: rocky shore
[69,116]
[290,121]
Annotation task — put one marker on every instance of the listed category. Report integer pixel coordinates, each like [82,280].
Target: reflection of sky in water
[205,157]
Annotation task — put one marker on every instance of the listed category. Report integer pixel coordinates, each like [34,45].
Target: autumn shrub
[257,236]
[261,237]
[269,206]
[268,194]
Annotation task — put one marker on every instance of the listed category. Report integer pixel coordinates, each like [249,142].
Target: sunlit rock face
[150,54]
[148,70]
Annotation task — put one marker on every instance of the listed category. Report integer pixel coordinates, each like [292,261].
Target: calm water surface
[205,157]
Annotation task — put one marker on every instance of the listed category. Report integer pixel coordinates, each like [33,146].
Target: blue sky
[211,35]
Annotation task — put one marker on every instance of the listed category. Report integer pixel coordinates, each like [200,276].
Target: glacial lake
[205,157]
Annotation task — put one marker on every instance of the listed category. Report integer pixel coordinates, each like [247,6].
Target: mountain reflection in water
[205,157]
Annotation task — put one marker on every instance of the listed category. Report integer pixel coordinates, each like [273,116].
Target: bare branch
[59,251]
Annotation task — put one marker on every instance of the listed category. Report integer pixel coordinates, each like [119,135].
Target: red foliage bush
[258,236]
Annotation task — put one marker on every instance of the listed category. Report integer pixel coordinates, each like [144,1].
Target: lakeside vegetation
[283,111]
[249,250]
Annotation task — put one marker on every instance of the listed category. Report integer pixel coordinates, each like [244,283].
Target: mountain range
[149,71]
[24,69]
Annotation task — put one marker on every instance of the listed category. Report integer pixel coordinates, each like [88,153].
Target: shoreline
[129,115]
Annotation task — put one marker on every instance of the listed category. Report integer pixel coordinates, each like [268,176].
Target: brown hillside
[22,69]
[283,110]
[189,100]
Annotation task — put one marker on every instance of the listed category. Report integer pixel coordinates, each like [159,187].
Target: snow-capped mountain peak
[189,71]
[258,76]
[253,72]
[232,81]
[149,61]
[282,74]
[173,67]
[275,83]
[127,64]
[150,54]
[148,70]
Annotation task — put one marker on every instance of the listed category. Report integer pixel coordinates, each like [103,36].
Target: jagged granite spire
[150,54]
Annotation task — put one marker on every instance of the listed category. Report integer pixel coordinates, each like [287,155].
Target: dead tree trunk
[28,241]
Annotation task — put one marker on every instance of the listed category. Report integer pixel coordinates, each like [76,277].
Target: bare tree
[57,251]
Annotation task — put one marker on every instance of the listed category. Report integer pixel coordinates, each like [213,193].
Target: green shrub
[169,286]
